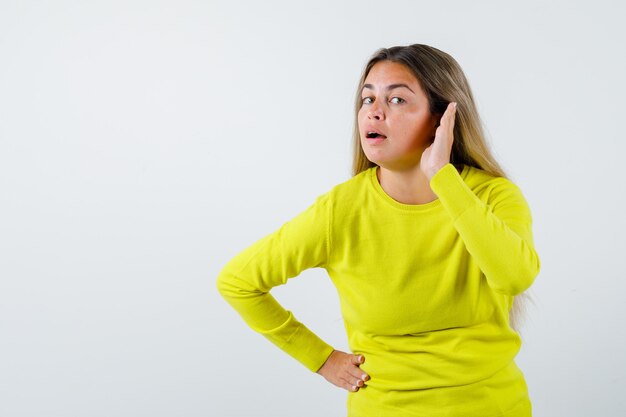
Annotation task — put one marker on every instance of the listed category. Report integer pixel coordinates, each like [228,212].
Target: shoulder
[346,196]
[479,179]
[493,189]
[350,188]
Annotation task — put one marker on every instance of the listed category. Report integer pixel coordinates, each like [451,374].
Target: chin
[373,158]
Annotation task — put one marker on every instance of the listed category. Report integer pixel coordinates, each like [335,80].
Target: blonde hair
[443,81]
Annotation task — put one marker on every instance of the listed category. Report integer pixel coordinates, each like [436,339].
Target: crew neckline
[402,206]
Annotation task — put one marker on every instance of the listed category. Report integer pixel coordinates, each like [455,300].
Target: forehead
[387,72]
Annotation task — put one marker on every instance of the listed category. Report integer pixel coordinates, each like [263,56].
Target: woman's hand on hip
[342,369]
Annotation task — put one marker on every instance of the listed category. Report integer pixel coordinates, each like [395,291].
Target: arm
[246,280]
[497,234]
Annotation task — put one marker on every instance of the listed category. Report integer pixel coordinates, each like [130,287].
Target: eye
[399,100]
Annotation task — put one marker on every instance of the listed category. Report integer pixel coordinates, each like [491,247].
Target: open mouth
[374,135]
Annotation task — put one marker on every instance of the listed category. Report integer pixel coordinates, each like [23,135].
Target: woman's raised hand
[438,153]
[342,369]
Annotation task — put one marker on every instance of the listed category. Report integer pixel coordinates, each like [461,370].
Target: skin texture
[418,144]
[342,369]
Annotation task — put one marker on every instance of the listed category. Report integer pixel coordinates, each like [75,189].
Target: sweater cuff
[308,348]
[452,190]
[297,340]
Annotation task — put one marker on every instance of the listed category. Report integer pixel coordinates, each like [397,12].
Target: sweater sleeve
[245,281]
[497,234]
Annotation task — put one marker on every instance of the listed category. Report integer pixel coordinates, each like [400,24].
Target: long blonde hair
[443,81]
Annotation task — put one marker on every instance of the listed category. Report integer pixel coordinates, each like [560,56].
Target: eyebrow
[389,87]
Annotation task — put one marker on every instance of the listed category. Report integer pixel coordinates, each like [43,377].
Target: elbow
[231,287]
[521,278]
[531,271]
[221,284]
[225,284]
[520,285]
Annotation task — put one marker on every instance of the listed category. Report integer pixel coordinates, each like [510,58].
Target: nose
[375,112]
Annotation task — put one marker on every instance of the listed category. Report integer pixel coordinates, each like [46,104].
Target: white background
[145,143]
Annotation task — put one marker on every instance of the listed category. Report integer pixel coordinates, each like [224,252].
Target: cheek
[361,118]
[414,123]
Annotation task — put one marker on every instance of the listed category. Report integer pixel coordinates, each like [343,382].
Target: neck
[410,186]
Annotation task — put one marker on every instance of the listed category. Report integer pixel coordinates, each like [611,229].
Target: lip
[372,129]
[375,141]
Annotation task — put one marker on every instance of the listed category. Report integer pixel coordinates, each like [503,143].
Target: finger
[448,115]
[446,128]
[358,374]
[349,385]
[356,382]
[443,122]
[357,359]
[452,117]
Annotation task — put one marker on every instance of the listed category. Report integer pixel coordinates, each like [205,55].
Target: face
[394,104]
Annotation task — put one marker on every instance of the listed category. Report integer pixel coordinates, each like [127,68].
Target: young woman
[428,245]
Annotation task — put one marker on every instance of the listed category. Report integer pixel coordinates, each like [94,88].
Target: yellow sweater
[425,291]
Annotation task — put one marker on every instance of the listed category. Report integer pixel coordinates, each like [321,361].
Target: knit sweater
[425,291]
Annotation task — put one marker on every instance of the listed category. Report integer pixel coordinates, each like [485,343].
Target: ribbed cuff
[297,340]
[308,348]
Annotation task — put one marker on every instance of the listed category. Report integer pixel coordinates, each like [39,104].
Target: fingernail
[364,377]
